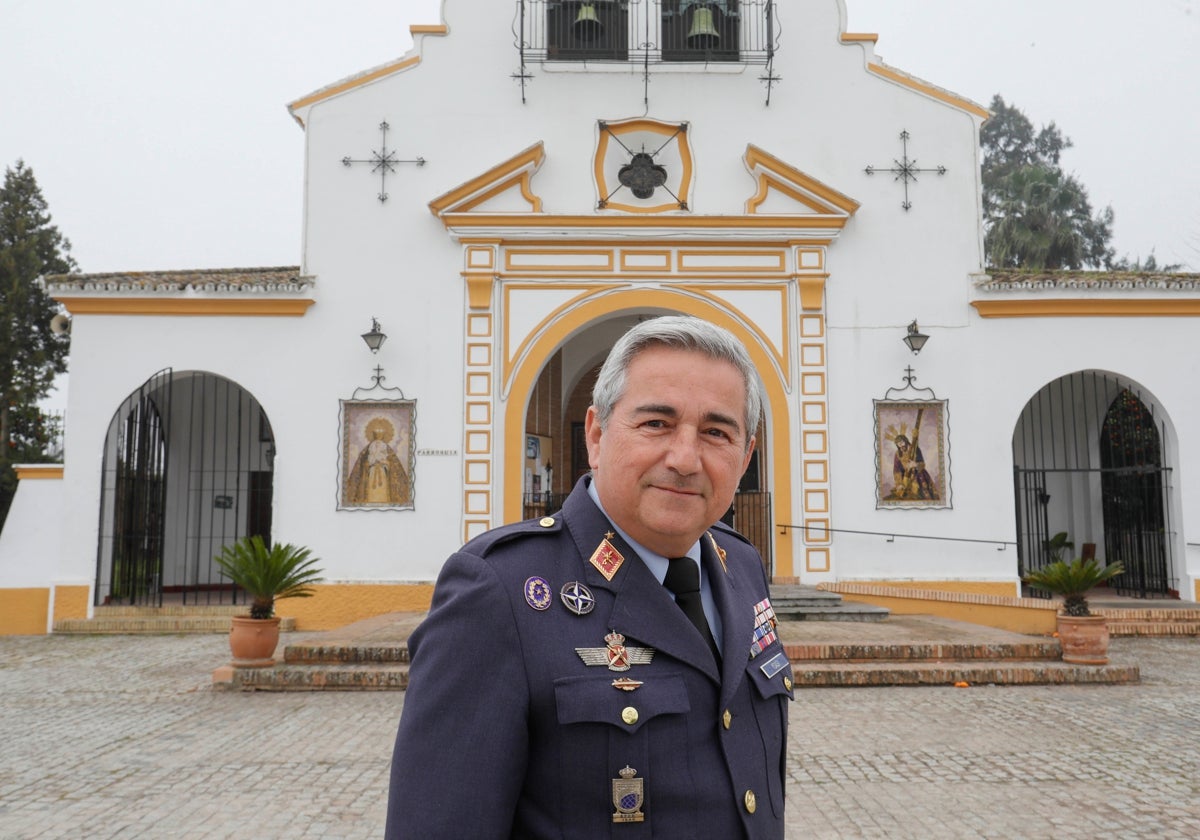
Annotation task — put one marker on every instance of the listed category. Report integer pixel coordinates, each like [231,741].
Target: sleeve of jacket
[461,749]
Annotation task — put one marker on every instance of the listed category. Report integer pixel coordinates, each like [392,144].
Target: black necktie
[683,579]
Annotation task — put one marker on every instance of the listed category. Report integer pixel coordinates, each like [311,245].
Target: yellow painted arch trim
[557,332]
[1088,308]
[929,90]
[189,306]
[25,471]
[857,37]
[510,360]
[428,29]
[779,354]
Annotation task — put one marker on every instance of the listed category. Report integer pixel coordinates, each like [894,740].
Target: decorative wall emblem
[378,439]
[905,169]
[643,166]
[911,454]
[383,161]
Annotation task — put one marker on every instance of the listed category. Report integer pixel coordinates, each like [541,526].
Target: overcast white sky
[159,134]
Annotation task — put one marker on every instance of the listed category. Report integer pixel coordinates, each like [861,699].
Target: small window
[700,30]
[587,31]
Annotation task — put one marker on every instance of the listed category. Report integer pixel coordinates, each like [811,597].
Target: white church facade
[502,203]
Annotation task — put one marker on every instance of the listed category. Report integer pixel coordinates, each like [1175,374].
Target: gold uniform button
[547,522]
[787,683]
[727,719]
[629,715]
[751,802]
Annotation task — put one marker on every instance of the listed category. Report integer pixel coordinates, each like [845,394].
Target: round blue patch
[537,593]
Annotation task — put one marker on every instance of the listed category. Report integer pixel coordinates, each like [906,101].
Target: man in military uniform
[611,671]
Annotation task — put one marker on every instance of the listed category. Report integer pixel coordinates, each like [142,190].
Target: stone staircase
[807,603]
[172,619]
[1022,661]
[903,650]
[1165,618]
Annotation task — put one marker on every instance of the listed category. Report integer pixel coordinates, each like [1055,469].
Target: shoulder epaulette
[724,529]
[485,543]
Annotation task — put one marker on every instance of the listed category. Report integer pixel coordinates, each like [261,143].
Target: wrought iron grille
[1089,459]
[752,519]
[646,31]
[188,468]
[133,497]
[537,505]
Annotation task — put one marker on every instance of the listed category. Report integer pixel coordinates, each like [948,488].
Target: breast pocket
[597,700]
[605,733]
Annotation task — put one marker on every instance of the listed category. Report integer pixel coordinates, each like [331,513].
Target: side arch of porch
[548,337]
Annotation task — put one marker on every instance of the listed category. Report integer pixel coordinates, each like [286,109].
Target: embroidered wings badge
[616,656]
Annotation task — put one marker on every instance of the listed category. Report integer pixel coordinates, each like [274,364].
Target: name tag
[774,665]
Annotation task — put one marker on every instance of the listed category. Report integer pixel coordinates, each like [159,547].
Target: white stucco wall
[460,109]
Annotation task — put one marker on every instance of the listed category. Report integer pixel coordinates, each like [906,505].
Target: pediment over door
[785,204]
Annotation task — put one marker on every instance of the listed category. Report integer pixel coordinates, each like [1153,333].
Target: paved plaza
[120,736]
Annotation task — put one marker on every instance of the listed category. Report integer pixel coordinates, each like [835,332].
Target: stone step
[807,603]
[120,611]
[343,654]
[808,673]
[1157,627]
[349,677]
[846,612]
[1035,650]
[152,624]
[982,672]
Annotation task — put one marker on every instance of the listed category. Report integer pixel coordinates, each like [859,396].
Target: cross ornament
[382,161]
[905,169]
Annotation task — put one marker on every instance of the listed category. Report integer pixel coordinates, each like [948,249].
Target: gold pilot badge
[628,796]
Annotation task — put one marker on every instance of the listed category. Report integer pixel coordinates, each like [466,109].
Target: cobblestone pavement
[119,736]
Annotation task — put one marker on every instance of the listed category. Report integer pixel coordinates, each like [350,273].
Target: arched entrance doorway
[188,465]
[1090,459]
[555,454]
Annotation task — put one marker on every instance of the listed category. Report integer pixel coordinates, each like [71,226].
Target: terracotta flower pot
[1084,639]
[252,641]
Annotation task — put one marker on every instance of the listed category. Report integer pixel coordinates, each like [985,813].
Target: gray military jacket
[596,715]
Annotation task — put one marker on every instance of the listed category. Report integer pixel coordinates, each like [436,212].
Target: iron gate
[1088,459]
[133,497]
[188,468]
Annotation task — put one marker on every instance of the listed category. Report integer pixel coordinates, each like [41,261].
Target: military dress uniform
[557,691]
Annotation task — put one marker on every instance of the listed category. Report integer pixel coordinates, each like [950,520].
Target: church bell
[703,35]
[587,25]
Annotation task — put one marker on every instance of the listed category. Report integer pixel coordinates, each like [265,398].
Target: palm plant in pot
[266,574]
[1083,635]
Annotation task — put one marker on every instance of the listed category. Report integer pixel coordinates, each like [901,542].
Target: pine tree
[1036,216]
[31,355]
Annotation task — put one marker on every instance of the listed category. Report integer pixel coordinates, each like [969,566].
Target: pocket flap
[771,673]
[592,700]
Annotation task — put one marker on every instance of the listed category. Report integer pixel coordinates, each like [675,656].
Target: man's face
[667,466]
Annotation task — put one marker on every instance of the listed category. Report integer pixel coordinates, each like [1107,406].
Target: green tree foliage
[1035,215]
[31,356]
[1150,265]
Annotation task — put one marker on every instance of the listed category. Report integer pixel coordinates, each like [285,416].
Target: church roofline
[246,280]
[907,80]
[409,59]
[1025,280]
